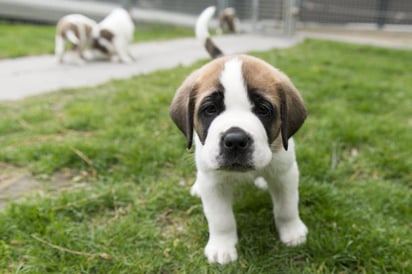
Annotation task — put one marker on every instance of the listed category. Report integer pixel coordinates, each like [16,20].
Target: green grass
[18,39]
[129,210]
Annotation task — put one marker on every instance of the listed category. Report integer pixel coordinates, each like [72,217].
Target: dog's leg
[59,48]
[284,191]
[121,48]
[82,41]
[77,59]
[217,205]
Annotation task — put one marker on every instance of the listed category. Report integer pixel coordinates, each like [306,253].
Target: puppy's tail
[71,36]
[202,32]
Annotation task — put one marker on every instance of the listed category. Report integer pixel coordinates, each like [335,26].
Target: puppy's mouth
[237,167]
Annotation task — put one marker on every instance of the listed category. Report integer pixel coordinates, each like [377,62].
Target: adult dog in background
[75,29]
[113,35]
[241,113]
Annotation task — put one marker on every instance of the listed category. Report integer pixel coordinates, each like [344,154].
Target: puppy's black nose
[235,139]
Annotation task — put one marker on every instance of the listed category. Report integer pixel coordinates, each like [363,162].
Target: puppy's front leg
[121,48]
[217,204]
[284,191]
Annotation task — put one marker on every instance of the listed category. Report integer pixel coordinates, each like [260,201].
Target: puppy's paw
[261,183]
[79,62]
[292,233]
[220,252]
[194,190]
[127,60]
[115,59]
[88,55]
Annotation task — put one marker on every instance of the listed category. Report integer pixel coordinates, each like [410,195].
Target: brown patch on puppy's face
[264,82]
[209,91]
[261,80]
[106,35]
[189,96]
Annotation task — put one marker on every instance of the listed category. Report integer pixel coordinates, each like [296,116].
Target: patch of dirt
[17,183]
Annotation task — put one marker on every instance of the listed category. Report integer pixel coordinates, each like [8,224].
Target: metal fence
[283,15]
[379,12]
[254,15]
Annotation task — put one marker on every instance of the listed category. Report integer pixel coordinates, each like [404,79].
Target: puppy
[228,21]
[241,113]
[113,35]
[75,29]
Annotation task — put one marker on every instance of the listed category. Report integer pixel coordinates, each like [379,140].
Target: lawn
[128,209]
[19,39]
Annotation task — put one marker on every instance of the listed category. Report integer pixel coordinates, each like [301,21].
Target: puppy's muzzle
[236,150]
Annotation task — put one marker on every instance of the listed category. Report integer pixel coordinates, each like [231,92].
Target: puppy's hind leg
[78,59]
[76,47]
[59,48]
[82,42]
[284,191]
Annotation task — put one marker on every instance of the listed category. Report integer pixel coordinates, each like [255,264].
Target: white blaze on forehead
[234,85]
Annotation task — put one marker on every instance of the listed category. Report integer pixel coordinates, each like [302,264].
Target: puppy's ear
[292,110]
[183,107]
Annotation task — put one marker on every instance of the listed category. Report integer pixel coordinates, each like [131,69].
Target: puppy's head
[229,13]
[103,40]
[241,109]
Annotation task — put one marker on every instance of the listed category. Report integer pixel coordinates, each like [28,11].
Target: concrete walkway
[29,76]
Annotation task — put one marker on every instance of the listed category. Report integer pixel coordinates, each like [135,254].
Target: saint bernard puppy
[113,35]
[228,21]
[75,29]
[241,113]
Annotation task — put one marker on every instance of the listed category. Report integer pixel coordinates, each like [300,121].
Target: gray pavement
[28,76]
[22,77]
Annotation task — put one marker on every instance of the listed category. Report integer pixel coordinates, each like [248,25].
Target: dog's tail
[202,32]
[71,36]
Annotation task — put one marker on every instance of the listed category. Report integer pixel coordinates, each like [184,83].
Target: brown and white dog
[75,29]
[113,35]
[228,21]
[241,113]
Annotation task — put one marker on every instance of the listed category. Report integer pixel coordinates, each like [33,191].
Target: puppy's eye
[212,105]
[210,109]
[263,109]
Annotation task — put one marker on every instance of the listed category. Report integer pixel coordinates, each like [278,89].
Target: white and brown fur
[113,35]
[228,21]
[76,30]
[241,113]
